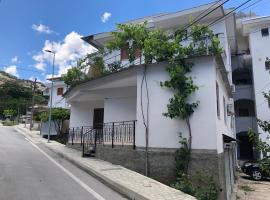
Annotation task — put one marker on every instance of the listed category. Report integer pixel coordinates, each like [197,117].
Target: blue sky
[27,27]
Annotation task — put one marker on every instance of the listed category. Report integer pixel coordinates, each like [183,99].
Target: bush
[9,123]
[203,187]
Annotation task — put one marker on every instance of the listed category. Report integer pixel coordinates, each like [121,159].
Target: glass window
[265,32]
[217,96]
[60,91]
[225,110]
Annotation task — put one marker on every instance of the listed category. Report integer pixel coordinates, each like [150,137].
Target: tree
[17,97]
[158,46]
[59,115]
[9,113]
[262,146]
[73,76]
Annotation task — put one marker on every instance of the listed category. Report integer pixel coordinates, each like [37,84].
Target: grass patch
[246,188]
[9,123]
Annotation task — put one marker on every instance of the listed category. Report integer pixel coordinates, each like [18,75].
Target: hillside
[5,77]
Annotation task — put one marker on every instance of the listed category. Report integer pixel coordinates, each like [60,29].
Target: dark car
[255,171]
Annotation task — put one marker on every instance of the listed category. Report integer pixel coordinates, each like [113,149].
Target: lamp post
[51,95]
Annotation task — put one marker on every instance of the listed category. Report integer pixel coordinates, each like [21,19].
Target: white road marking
[81,183]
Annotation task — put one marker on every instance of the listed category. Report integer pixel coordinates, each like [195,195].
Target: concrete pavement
[32,172]
[131,184]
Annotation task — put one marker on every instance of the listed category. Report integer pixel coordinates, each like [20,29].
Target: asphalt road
[29,172]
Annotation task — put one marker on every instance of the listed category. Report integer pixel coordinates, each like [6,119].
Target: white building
[118,104]
[59,88]
[58,101]
[253,75]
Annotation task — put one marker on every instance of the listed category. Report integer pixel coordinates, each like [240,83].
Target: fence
[112,134]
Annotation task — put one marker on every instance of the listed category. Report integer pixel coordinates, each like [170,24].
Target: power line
[224,17]
[253,4]
[208,13]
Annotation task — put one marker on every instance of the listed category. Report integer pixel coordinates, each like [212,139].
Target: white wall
[226,127]
[119,109]
[260,48]
[58,101]
[163,131]
[81,113]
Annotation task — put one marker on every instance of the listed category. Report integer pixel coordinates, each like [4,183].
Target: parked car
[255,171]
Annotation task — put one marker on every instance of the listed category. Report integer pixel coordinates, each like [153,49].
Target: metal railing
[112,134]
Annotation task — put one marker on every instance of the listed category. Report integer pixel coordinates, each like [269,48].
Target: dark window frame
[60,91]
[265,32]
[225,110]
[217,100]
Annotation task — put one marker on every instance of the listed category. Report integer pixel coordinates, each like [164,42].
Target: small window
[60,91]
[217,96]
[268,100]
[265,32]
[225,110]
[124,52]
[267,64]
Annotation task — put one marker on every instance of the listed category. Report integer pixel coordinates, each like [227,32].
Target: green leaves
[57,114]
[9,112]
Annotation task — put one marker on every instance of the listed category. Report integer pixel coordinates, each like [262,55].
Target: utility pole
[33,103]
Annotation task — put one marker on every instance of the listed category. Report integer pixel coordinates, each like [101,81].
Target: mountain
[5,77]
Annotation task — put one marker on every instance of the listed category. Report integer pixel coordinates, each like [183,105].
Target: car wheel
[256,175]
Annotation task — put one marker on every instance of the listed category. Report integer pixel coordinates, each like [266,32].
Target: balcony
[243,124]
[243,92]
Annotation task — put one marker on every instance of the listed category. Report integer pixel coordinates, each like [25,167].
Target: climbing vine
[177,48]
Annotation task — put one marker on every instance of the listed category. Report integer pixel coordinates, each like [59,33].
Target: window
[267,64]
[60,91]
[265,32]
[124,52]
[217,96]
[225,110]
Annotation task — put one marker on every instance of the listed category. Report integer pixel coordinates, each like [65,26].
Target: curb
[126,192]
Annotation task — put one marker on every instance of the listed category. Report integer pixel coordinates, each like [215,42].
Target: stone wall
[161,163]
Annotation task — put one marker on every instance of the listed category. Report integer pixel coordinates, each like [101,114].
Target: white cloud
[67,52]
[105,17]
[40,66]
[12,69]
[14,59]
[42,28]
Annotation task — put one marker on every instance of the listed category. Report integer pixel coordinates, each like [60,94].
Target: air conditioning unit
[233,88]
[230,109]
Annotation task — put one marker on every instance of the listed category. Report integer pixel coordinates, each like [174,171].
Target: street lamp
[50,109]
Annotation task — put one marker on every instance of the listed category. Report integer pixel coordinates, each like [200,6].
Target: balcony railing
[112,134]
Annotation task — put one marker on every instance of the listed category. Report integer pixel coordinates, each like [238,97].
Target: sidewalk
[249,189]
[129,183]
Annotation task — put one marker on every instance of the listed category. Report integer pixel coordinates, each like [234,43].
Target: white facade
[122,99]
[59,88]
[259,46]
[124,104]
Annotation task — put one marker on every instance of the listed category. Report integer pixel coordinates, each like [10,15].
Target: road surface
[32,172]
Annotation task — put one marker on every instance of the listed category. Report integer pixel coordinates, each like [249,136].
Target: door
[98,124]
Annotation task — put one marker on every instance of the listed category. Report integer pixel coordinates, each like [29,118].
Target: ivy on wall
[177,48]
